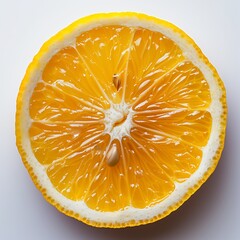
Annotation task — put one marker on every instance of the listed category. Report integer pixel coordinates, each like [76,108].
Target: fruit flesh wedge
[167,96]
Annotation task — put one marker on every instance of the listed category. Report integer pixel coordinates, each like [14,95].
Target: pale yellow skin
[34,65]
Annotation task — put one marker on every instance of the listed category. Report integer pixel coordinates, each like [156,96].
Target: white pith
[114,114]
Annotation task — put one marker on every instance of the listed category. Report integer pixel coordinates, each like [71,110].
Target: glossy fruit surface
[120,118]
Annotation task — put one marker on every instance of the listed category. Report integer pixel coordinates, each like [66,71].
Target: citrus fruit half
[120,119]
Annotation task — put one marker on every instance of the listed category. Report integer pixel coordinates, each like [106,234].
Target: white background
[212,213]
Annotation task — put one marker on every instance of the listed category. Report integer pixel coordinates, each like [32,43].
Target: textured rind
[34,65]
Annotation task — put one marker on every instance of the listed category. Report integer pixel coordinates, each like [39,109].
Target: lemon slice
[120,119]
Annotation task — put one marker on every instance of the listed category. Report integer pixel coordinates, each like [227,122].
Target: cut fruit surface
[120,119]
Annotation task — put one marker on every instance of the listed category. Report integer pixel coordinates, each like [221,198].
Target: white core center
[118,121]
